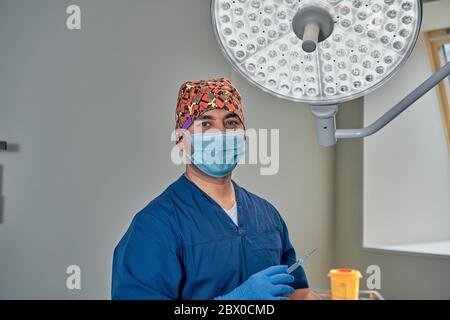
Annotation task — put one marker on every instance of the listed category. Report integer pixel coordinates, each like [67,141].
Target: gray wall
[420,170]
[90,113]
[403,276]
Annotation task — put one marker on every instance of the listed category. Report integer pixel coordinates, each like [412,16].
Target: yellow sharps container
[344,284]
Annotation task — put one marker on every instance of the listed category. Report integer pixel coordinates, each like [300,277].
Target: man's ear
[179,133]
[180,145]
[184,141]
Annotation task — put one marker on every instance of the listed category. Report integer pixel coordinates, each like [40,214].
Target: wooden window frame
[434,40]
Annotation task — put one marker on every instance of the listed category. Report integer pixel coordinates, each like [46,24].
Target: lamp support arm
[327,114]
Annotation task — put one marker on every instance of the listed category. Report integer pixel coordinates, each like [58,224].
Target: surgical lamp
[322,52]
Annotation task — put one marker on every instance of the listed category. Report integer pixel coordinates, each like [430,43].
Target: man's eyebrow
[231,115]
[228,116]
[206,117]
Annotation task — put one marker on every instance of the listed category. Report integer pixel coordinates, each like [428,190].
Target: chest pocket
[266,247]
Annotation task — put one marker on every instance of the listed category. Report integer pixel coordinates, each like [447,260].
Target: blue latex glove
[267,284]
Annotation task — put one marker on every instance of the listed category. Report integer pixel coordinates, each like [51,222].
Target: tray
[363,294]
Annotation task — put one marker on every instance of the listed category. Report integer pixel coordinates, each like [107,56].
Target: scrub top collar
[240,228]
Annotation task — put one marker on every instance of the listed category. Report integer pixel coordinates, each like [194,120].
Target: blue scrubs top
[183,245]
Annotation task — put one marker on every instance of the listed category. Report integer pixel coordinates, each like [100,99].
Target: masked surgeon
[204,236]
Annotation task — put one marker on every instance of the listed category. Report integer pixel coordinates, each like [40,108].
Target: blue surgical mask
[217,153]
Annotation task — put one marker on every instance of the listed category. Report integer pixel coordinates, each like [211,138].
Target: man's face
[214,121]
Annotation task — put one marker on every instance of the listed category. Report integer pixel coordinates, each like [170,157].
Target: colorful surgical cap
[197,97]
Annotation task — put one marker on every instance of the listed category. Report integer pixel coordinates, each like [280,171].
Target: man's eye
[205,124]
[233,123]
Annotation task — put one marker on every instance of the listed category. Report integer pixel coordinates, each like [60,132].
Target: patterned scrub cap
[197,97]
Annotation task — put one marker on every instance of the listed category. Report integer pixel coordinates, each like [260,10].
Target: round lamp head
[289,49]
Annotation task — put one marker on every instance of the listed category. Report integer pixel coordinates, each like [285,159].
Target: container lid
[345,272]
